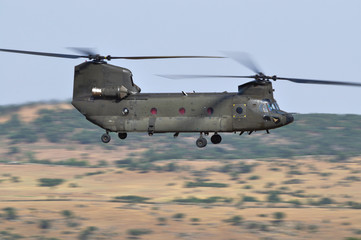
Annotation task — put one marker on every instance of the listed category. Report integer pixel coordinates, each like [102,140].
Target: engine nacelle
[119,92]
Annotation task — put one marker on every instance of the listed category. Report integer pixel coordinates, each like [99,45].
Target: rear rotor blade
[89,53]
[44,54]
[84,51]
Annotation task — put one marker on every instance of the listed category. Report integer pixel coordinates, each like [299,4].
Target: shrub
[312,228]
[252,225]
[352,178]
[178,215]
[13,150]
[50,182]
[15,179]
[235,220]
[44,224]
[295,172]
[84,235]
[354,205]
[122,163]
[273,197]
[67,213]
[205,184]
[162,221]
[269,185]
[72,162]
[249,199]
[131,199]
[275,169]
[72,224]
[254,177]
[102,163]
[279,216]
[9,236]
[295,202]
[324,201]
[171,167]
[10,213]
[94,173]
[139,231]
[293,181]
[203,200]
[73,185]
[325,174]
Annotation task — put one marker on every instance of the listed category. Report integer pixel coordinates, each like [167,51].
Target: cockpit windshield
[266,105]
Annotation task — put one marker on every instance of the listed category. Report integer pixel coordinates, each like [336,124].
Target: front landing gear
[105,138]
[201,142]
[216,138]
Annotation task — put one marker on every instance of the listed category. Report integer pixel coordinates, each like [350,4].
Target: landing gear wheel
[105,138]
[216,138]
[122,135]
[201,142]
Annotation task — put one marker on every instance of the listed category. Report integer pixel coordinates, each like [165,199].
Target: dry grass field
[120,195]
[312,194]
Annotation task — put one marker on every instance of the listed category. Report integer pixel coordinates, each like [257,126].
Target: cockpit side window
[264,107]
[269,106]
[131,79]
[275,106]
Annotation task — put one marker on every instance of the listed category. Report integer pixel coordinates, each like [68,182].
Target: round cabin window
[182,111]
[125,111]
[239,110]
[153,111]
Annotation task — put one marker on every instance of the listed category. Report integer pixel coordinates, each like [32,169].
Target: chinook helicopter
[107,96]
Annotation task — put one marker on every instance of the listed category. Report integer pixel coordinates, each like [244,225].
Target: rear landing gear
[201,142]
[216,138]
[122,135]
[105,138]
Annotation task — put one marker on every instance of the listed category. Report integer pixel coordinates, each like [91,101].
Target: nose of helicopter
[288,118]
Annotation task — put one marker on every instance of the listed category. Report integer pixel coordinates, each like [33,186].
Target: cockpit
[266,106]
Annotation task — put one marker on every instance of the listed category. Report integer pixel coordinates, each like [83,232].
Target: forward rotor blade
[162,57]
[324,82]
[44,54]
[202,76]
[245,59]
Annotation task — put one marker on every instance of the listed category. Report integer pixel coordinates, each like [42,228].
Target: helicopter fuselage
[192,112]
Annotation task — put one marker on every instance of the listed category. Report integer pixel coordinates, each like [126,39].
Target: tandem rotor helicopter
[107,96]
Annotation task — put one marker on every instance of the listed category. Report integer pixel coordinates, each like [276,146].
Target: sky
[303,39]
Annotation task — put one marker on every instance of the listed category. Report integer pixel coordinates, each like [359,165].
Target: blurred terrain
[58,181]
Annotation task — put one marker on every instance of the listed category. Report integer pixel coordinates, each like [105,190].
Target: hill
[310,134]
